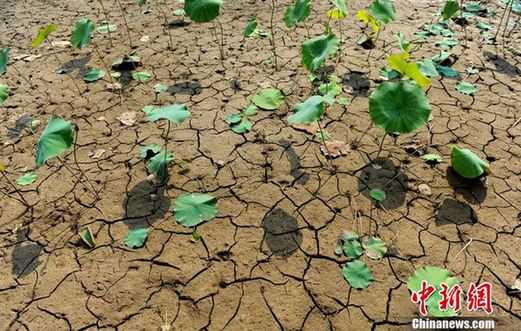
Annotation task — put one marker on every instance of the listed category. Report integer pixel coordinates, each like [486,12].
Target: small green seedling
[2,173]
[176,113]
[467,164]
[378,194]
[4,93]
[87,237]
[136,237]
[191,209]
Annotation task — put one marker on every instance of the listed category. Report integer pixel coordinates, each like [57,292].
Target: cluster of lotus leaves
[399,107]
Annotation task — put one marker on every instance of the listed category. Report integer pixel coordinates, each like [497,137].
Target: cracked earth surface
[267,261]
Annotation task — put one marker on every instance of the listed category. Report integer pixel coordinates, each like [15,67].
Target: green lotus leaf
[357,274]
[176,113]
[136,237]
[408,69]
[466,163]
[4,59]
[179,12]
[160,88]
[375,248]
[26,179]
[249,110]
[242,126]
[141,76]
[141,3]
[250,27]
[297,13]
[402,42]
[269,98]
[43,34]
[192,209]
[439,58]
[383,10]
[333,89]
[433,158]
[435,277]
[128,61]
[399,107]
[82,33]
[202,11]
[447,71]
[56,138]
[450,8]
[352,248]
[447,43]
[106,28]
[343,101]
[340,10]
[4,93]
[309,111]
[93,75]
[152,147]
[159,164]
[466,87]
[87,237]
[316,51]
[378,194]
[389,73]
[234,119]
[428,68]
[474,7]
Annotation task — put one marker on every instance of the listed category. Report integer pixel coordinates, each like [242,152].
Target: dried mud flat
[267,261]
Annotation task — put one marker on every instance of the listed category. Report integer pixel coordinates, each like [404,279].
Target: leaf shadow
[474,191]
[281,233]
[145,204]
[301,177]
[455,212]
[25,255]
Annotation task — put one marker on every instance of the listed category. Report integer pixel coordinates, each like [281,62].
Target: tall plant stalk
[16,189]
[75,147]
[126,23]
[78,179]
[54,53]
[272,29]
[30,84]
[105,13]
[167,25]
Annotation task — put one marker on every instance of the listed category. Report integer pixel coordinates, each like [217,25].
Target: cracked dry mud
[267,261]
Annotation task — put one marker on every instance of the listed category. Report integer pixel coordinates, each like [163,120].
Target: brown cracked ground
[267,261]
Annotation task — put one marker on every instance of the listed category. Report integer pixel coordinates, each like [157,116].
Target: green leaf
[473,7]
[389,73]
[136,237]
[309,111]
[269,99]
[340,10]
[242,127]
[43,34]
[141,3]
[378,194]
[249,110]
[152,147]
[357,274]
[297,13]
[447,43]
[466,163]
[332,89]
[352,249]
[159,164]
[483,26]
[4,93]
[147,109]
[433,157]
[451,7]
[428,68]
[250,27]
[399,107]
[82,33]
[106,27]
[26,179]
[446,71]
[316,51]
[141,76]
[130,61]
[408,69]
[60,70]
[179,12]
[435,277]
[56,138]
[383,10]
[176,113]
[375,248]
[441,57]
[4,59]
[466,87]
[192,209]
[471,70]
[93,75]
[338,250]
[202,11]
[402,42]
[161,88]
[323,135]
[87,237]
[343,101]
[234,119]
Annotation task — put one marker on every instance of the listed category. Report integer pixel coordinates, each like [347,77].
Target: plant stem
[61,65]
[108,72]
[107,20]
[166,145]
[30,84]
[74,154]
[77,178]
[167,25]
[381,145]
[273,33]
[330,158]
[16,189]
[461,251]
[126,24]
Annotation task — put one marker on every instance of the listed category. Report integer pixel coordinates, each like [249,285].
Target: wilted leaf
[336,148]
